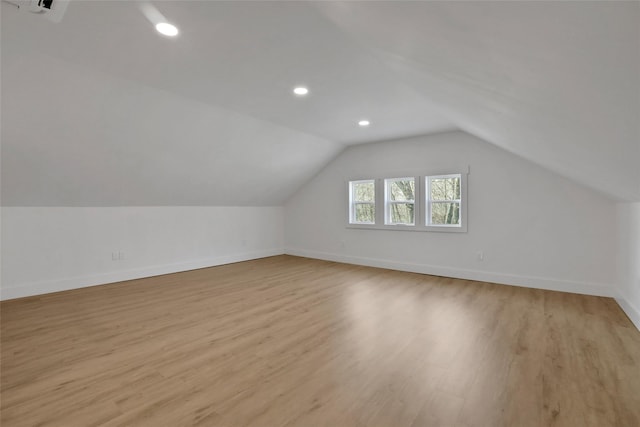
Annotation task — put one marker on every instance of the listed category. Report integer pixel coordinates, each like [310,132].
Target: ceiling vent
[53,10]
[39,6]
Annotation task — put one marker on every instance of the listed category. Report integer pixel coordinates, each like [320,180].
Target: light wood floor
[288,341]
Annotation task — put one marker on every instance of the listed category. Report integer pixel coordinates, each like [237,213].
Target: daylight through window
[444,196]
[362,202]
[400,201]
[411,203]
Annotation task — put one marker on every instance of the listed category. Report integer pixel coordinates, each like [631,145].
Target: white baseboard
[595,289]
[632,312]
[57,285]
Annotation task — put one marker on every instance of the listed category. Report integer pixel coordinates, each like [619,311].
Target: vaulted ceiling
[101,110]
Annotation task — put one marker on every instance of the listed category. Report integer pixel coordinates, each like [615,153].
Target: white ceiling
[555,82]
[101,110]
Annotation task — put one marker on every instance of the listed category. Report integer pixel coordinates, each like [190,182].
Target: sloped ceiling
[555,82]
[100,110]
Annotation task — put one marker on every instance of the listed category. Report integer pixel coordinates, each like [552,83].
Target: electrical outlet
[480,256]
[114,256]
[244,242]
[120,255]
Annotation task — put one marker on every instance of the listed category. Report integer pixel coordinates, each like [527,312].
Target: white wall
[535,228]
[629,259]
[48,249]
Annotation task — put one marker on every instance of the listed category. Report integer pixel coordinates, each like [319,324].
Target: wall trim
[633,313]
[595,289]
[57,285]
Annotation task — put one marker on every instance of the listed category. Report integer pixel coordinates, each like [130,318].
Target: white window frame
[353,202]
[429,202]
[388,202]
[421,203]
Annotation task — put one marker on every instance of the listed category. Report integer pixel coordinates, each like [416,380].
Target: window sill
[423,228]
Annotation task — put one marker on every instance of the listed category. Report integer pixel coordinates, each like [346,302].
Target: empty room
[320,213]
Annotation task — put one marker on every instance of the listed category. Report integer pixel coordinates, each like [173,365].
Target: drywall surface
[533,227]
[95,140]
[554,82]
[47,249]
[629,259]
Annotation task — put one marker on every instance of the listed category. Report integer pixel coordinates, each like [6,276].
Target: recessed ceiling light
[300,90]
[364,123]
[167,29]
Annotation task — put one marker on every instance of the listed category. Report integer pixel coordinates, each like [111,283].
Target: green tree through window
[401,201]
[444,196]
[363,198]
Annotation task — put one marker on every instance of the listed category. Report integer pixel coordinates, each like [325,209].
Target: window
[399,200]
[444,199]
[362,202]
[434,203]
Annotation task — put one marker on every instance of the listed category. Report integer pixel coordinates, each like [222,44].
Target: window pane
[363,192]
[365,213]
[401,213]
[445,213]
[402,190]
[445,188]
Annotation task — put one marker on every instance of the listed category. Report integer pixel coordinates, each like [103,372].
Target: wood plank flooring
[287,341]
